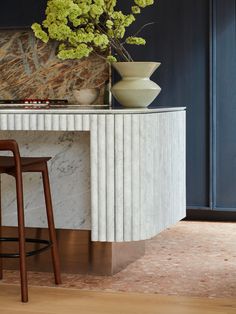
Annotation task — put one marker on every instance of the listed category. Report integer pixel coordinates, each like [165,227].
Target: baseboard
[210,215]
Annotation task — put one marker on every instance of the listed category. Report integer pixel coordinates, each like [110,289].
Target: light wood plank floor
[68,301]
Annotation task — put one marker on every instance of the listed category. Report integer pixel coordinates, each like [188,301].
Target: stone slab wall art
[30,69]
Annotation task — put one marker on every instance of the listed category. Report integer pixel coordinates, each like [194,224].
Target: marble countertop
[115,172]
[86,111]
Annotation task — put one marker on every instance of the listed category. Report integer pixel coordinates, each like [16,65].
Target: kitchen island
[118,173]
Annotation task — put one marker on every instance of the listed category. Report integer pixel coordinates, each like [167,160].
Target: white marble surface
[138,174]
[76,110]
[69,171]
[137,160]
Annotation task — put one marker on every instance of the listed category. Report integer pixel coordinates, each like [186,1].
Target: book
[32,103]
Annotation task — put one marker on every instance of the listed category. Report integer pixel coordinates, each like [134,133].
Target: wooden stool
[15,166]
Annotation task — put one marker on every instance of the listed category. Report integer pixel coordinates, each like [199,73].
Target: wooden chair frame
[39,165]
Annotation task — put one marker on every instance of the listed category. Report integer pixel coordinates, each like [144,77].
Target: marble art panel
[69,171]
[30,69]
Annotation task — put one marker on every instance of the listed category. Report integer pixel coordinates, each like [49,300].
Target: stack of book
[33,103]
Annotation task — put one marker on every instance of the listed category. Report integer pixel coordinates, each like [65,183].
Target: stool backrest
[12,146]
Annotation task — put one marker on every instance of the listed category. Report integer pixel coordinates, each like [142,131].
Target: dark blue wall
[196,42]
[225,104]
[21,13]
[180,41]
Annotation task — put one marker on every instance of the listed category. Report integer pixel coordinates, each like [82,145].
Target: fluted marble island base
[118,173]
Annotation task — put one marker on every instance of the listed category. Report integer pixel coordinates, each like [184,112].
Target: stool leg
[21,232]
[51,226]
[1,266]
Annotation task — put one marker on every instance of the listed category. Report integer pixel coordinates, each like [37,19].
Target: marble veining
[69,171]
[138,174]
[30,69]
[137,168]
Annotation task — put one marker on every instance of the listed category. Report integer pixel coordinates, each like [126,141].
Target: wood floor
[68,301]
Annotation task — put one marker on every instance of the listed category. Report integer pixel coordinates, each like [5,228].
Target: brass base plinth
[78,254]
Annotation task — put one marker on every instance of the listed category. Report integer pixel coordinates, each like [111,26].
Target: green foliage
[90,26]
[135,41]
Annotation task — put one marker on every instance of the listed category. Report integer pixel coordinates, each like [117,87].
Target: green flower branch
[84,27]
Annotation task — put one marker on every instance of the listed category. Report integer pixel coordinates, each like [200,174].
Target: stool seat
[7,164]
[15,166]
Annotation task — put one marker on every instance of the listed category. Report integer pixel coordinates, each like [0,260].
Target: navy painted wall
[225,104]
[21,13]
[180,41]
[196,42]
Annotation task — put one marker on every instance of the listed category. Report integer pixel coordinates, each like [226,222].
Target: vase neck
[131,78]
[136,69]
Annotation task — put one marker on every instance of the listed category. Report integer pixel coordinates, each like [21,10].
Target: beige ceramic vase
[135,90]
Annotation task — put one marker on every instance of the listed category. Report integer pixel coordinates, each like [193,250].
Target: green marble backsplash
[30,69]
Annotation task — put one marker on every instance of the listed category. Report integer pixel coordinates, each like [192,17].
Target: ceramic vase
[135,89]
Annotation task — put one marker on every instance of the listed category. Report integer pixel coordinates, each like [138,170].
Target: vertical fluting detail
[78,122]
[101,171]
[48,122]
[18,122]
[127,177]
[119,177]
[94,178]
[85,122]
[10,122]
[137,168]
[110,177]
[62,122]
[25,122]
[70,122]
[144,179]
[40,122]
[3,121]
[135,189]
[55,122]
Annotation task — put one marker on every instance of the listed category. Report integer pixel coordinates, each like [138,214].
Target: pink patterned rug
[190,259]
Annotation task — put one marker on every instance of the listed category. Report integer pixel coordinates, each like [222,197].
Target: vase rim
[123,62]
